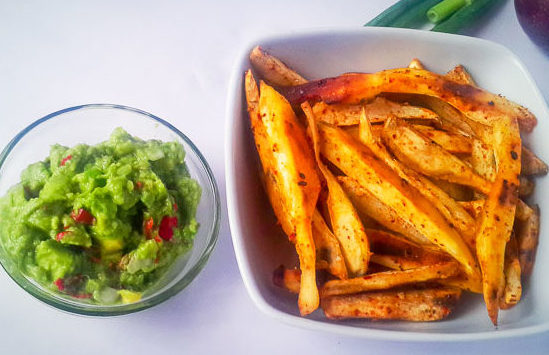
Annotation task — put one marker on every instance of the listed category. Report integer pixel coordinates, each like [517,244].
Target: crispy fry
[527,234]
[421,154]
[390,279]
[369,205]
[531,164]
[476,104]
[346,223]
[327,248]
[496,220]
[377,111]
[273,70]
[288,279]
[451,142]
[411,305]
[513,286]
[461,75]
[449,208]
[291,178]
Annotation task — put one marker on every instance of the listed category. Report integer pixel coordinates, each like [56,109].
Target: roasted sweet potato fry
[327,248]
[531,164]
[497,217]
[273,70]
[455,191]
[513,286]
[410,305]
[290,177]
[346,223]
[288,279]
[473,207]
[377,111]
[422,154]
[451,142]
[527,234]
[389,279]
[476,104]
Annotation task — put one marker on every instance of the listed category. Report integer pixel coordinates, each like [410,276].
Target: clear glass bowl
[92,124]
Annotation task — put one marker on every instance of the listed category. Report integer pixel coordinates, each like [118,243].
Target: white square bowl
[259,243]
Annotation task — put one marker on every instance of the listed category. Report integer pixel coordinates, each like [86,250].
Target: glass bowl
[92,124]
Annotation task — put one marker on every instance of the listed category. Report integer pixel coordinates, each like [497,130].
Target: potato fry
[513,287]
[461,75]
[288,279]
[531,164]
[451,142]
[273,70]
[377,111]
[496,220]
[411,305]
[421,154]
[346,223]
[369,205]
[327,248]
[291,178]
[527,234]
[389,279]
[476,104]
[449,208]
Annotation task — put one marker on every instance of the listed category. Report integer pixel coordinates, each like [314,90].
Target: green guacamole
[101,222]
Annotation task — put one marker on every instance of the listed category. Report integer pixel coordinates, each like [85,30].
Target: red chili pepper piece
[148,227]
[61,235]
[175,207]
[65,159]
[60,284]
[166,227]
[158,239]
[138,185]
[82,216]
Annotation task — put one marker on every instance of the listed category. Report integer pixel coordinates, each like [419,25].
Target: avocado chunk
[57,260]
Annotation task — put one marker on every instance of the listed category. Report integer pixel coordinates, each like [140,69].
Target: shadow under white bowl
[260,245]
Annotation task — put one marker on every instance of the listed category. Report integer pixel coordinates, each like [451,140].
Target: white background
[173,59]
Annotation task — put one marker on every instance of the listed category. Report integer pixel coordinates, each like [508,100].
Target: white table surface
[173,59]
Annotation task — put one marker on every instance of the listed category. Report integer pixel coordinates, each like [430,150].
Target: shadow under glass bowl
[92,124]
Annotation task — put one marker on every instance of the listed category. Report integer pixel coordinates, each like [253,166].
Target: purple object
[533,16]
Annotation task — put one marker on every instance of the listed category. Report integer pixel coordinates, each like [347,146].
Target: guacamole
[101,222]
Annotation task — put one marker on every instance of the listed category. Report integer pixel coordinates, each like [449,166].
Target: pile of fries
[399,189]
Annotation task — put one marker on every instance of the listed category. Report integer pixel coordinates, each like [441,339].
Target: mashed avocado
[101,222]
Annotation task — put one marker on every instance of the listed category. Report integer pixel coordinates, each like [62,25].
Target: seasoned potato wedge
[290,177]
[411,305]
[345,221]
[327,248]
[273,70]
[389,279]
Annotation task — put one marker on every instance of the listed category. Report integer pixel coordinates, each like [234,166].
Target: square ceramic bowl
[259,243]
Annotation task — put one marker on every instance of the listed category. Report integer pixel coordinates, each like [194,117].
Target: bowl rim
[235,93]
[38,292]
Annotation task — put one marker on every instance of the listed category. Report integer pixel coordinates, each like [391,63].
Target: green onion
[403,13]
[465,16]
[442,10]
